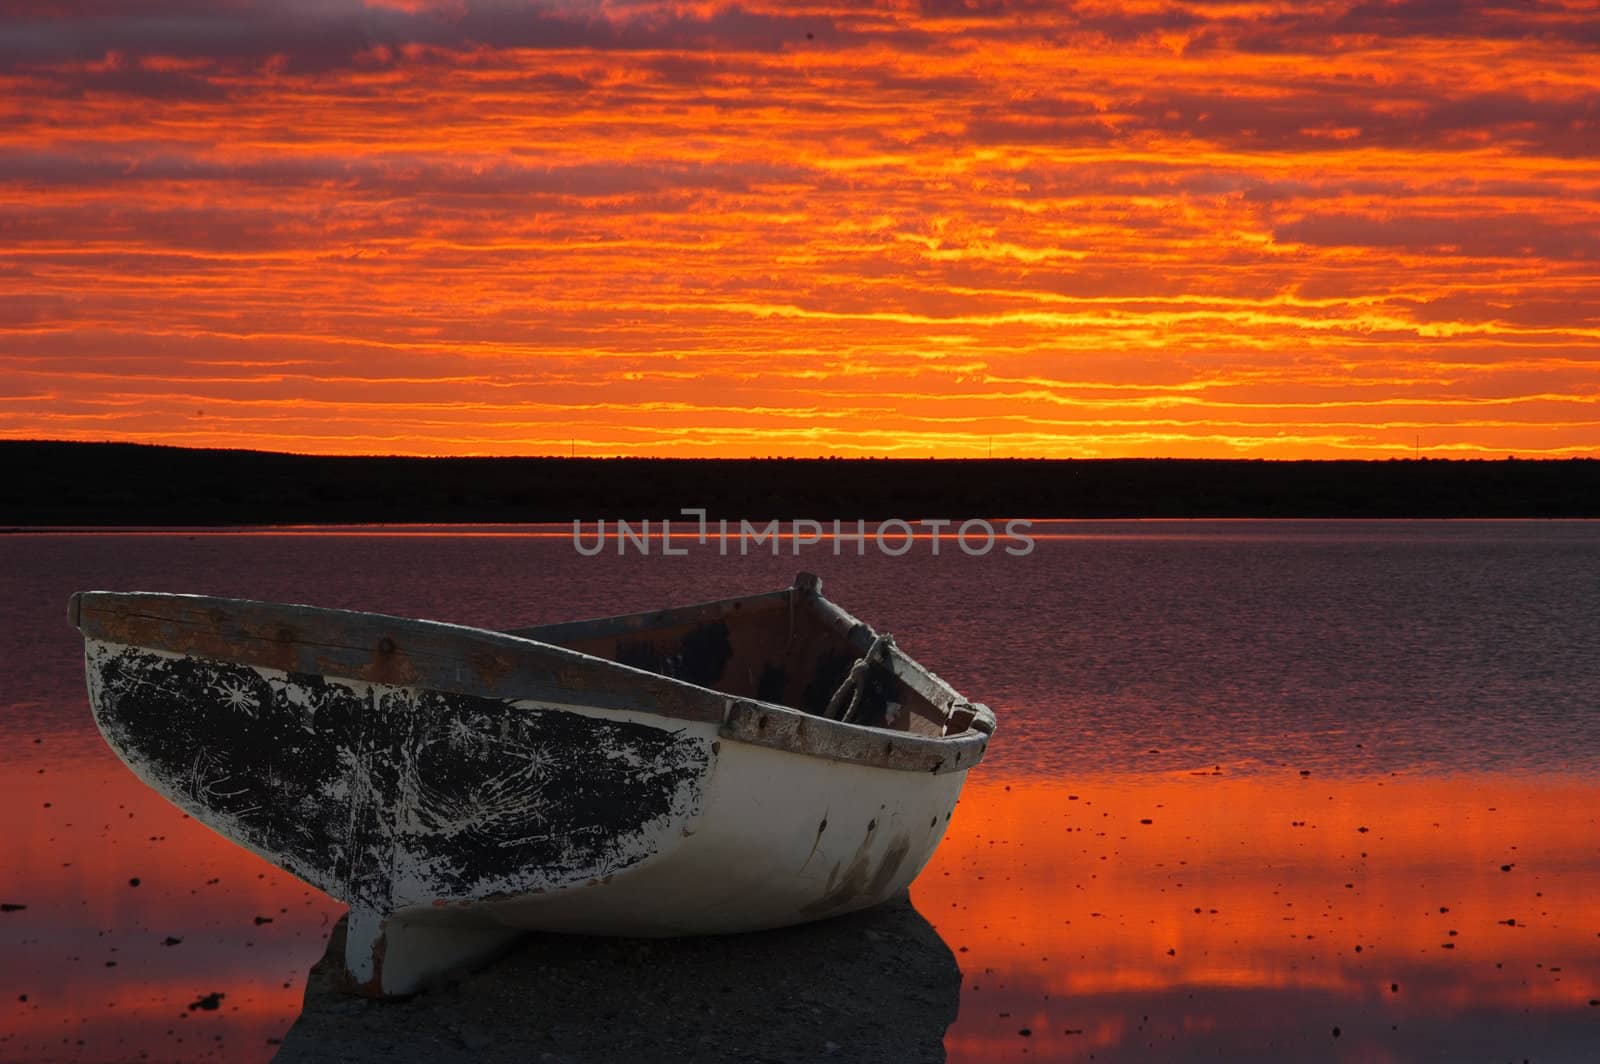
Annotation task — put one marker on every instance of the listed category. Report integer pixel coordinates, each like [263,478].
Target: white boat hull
[773,845]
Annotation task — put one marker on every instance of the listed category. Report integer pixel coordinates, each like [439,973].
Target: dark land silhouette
[96,484]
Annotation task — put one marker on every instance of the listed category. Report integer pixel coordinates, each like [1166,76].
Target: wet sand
[876,986]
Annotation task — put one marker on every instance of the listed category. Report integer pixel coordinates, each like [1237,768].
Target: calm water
[1256,783]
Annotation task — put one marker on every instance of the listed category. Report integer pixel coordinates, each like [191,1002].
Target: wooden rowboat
[731,766]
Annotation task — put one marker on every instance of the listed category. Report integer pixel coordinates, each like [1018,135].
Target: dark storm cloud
[308,37]
[395,174]
[312,38]
[1323,117]
[1507,235]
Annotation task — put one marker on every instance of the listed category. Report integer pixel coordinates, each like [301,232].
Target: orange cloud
[1182,229]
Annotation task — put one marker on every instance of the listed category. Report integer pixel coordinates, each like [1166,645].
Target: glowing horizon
[1184,229]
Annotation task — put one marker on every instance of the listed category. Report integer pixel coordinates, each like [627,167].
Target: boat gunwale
[401,651]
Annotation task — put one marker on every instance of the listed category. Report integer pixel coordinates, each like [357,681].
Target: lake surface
[1261,790]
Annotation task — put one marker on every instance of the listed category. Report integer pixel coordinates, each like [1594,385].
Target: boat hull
[452,821]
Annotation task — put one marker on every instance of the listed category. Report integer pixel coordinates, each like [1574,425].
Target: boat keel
[387,956]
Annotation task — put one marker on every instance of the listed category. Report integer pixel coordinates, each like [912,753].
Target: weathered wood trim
[388,650]
[763,724]
[962,714]
[672,617]
[451,658]
[984,720]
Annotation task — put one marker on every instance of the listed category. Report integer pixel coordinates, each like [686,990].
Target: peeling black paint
[561,794]
[831,669]
[773,684]
[225,741]
[700,658]
[347,786]
[878,689]
[705,653]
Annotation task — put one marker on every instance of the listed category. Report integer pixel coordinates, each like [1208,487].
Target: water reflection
[872,986]
[130,913]
[1183,918]
[1120,661]
[1247,919]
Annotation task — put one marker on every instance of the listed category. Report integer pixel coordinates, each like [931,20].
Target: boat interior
[791,647]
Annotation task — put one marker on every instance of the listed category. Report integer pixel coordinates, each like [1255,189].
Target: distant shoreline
[96,485]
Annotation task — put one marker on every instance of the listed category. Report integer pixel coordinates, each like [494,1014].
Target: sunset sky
[1188,228]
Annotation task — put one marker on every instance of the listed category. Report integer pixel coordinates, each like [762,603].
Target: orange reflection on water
[1248,919]
[133,914]
[1197,914]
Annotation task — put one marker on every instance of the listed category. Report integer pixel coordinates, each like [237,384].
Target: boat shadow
[879,985]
